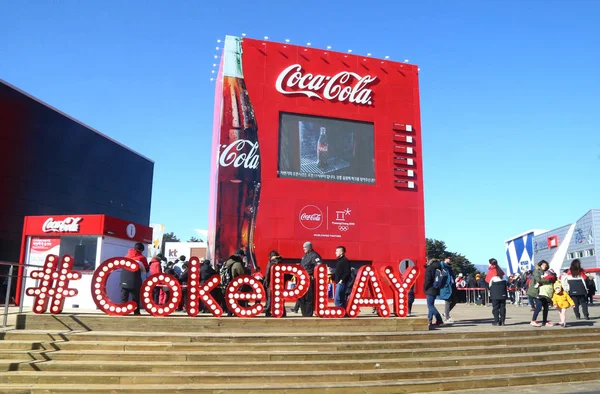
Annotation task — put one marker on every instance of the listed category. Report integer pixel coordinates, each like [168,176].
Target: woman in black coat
[432,292]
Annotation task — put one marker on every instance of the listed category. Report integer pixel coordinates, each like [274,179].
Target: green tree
[168,237]
[195,239]
[436,249]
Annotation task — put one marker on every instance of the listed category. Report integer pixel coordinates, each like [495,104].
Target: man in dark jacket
[207,272]
[309,261]
[131,282]
[274,258]
[341,276]
[432,292]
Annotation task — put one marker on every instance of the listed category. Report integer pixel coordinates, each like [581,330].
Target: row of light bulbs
[287,41]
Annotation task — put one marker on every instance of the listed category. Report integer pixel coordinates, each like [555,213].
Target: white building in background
[574,241]
[519,251]
[188,249]
[559,246]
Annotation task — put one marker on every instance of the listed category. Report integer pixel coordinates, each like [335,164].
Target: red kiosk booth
[89,239]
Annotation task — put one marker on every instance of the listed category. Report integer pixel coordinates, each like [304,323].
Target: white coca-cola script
[237,154]
[315,217]
[68,225]
[335,87]
[311,217]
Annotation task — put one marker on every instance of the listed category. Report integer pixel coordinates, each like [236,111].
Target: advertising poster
[41,247]
[158,230]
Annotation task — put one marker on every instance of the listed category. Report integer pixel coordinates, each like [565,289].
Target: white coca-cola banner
[68,225]
[238,153]
[343,86]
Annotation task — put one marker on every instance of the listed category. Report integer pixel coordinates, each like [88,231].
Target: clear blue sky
[509,94]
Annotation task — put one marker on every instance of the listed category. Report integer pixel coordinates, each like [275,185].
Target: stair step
[19,345]
[297,354]
[375,387]
[318,365]
[213,346]
[267,337]
[261,377]
[10,355]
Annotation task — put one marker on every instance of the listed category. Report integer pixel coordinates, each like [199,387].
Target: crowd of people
[542,286]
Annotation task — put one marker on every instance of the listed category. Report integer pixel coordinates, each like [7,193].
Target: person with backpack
[448,290]
[498,292]
[576,286]
[350,283]
[431,287]
[233,267]
[274,258]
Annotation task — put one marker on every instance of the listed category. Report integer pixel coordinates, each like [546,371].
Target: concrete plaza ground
[467,317]
[473,318]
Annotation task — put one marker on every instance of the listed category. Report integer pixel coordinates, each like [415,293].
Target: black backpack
[577,287]
[351,280]
[226,275]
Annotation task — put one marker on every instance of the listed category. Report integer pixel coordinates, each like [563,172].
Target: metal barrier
[472,293]
[10,276]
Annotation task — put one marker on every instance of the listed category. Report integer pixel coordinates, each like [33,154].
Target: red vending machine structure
[89,239]
[316,145]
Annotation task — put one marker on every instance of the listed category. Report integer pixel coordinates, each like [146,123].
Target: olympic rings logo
[343,228]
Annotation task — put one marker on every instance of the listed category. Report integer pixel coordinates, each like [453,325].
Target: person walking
[498,292]
[431,292]
[562,301]
[542,301]
[578,291]
[309,262]
[591,288]
[341,276]
[448,291]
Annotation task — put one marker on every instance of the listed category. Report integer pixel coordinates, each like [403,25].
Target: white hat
[460,275]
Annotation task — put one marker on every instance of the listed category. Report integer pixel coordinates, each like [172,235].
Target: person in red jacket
[493,270]
[131,282]
[156,268]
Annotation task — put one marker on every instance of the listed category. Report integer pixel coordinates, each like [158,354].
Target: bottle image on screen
[238,162]
[322,149]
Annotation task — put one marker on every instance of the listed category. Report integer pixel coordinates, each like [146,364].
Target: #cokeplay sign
[367,291]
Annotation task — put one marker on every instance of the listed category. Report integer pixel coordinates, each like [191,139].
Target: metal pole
[23,285]
[7,299]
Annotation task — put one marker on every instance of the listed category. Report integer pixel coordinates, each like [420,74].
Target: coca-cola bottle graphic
[322,149]
[238,162]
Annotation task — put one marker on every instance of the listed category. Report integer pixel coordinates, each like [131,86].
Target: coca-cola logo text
[234,154]
[68,225]
[335,87]
[311,217]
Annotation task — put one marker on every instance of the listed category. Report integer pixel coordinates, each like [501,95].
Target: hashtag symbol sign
[54,284]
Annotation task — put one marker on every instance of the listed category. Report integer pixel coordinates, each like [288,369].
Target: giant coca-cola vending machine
[315,145]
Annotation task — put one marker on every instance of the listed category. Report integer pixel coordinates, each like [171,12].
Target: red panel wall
[388,217]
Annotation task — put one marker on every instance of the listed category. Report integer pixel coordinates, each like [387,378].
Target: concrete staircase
[102,354]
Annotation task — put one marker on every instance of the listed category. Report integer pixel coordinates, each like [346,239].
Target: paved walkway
[466,317]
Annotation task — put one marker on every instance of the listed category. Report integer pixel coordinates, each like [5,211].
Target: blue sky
[509,94]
